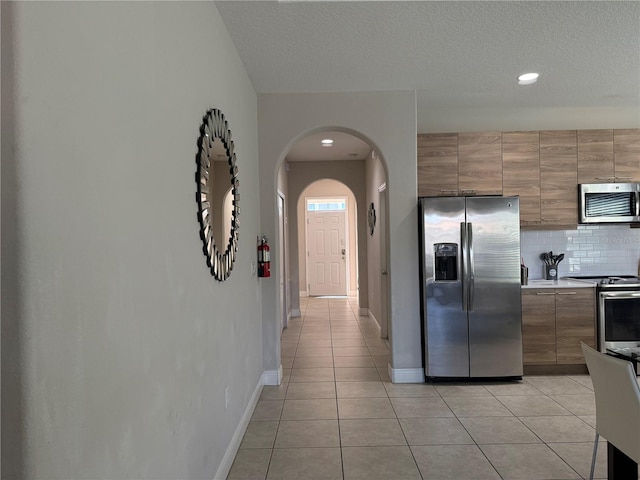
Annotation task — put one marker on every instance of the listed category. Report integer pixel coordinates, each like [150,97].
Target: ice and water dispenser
[446,261]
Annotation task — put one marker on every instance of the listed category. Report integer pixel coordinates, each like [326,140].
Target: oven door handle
[627,294]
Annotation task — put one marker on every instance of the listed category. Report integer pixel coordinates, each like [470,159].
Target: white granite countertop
[560,284]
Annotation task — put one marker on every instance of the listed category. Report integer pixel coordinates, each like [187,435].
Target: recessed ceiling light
[528,78]
[327,142]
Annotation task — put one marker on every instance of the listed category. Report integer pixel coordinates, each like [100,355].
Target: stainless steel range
[618,307]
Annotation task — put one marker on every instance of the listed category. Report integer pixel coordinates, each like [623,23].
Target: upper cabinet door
[480,163]
[595,156]
[626,154]
[559,177]
[521,172]
[438,164]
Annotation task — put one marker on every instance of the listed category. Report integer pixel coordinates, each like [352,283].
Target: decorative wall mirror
[217,194]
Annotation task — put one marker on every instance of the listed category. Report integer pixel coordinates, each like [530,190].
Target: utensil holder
[551,272]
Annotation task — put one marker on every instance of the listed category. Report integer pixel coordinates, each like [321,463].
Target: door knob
[384,272]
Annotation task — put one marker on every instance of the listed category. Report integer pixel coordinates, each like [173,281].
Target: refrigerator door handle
[471,269]
[464,273]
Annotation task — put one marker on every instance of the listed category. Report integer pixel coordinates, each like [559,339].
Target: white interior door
[327,253]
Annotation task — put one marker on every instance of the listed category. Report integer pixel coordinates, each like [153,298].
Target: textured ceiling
[461,58]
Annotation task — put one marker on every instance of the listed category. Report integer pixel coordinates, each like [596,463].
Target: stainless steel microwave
[609,202]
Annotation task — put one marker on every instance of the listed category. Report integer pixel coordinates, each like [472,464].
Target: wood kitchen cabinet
[480,163]
[457,164]
[538,326]
[608,156]
[595,156]
[558,178]
[521,172]
[437,164]
[554,322]
[626,155]
[575,323]
[543,167]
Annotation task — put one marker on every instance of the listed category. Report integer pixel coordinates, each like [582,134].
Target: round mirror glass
[217,194]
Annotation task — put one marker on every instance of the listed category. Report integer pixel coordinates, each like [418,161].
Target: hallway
[337,416]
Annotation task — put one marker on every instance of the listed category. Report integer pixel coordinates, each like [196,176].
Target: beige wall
[328,188]
[375,178]
[283,188]
[117,344]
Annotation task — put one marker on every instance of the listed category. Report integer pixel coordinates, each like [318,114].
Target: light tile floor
[337,416]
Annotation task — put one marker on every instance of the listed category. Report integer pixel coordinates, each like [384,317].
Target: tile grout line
[335,386]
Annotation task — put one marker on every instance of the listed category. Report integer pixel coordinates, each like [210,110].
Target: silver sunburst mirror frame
[215,146]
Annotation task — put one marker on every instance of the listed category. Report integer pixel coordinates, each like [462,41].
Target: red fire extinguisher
[264,258]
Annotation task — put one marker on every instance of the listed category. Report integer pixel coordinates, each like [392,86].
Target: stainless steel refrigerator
[470,286]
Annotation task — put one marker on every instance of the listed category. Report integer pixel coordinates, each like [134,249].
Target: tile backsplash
[589,250]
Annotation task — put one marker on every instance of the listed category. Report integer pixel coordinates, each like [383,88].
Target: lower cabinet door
[538,327]
[575,323]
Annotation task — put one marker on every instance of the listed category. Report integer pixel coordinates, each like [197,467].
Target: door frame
[347,256]
[385,322]
[282,254]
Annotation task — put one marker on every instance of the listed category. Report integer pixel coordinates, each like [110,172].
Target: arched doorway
[327,239]
[357,178]
[386,121]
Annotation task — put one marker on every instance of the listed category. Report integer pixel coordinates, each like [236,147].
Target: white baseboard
[272,377]
[406,375]
[371,315]
[302,293]
[296,313]
[227,461]
[363,312]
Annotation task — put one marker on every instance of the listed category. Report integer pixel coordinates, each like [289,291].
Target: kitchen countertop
[560,284]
